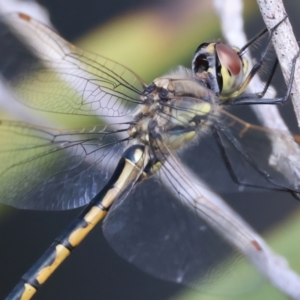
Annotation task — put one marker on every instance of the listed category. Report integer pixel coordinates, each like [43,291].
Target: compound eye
[230,69]
[229,59]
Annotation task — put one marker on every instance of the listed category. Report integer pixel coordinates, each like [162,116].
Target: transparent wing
[45,168]
[260,156]
[244,154]
[166,237]
[48,169]
[52,75]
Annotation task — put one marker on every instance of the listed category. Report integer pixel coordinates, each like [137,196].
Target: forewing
[52,75]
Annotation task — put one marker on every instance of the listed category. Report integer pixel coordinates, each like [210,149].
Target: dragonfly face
[65,169]
[225,65]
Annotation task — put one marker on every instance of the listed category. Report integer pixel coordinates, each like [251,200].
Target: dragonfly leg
[247,99]
[239,148]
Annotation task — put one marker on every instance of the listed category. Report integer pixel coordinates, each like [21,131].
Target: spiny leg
[232,97]
[236,144]
[257,98]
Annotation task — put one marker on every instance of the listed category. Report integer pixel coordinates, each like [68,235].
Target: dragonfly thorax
[175,107]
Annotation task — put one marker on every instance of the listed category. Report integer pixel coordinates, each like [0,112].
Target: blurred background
[150,37]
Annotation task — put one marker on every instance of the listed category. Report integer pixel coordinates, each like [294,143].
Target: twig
[230,13]
[284,43]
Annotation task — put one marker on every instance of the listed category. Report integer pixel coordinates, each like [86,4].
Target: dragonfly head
[223,63]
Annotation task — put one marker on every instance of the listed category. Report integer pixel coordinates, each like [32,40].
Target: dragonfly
[137,143]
